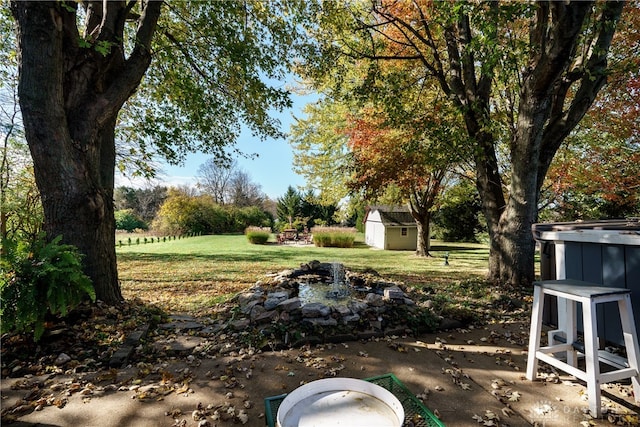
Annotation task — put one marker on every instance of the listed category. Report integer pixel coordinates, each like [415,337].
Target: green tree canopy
[320,148]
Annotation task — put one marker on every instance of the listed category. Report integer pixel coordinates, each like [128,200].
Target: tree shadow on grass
[453,248]
[228,257]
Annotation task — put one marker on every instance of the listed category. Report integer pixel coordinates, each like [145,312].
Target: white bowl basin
[340,402]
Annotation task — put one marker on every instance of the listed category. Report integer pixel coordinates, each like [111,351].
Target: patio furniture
[414,410]
[564,340]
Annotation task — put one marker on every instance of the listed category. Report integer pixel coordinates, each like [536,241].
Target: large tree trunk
[420,205]
[544,119]
[423,241]
[489,184]
[70,97]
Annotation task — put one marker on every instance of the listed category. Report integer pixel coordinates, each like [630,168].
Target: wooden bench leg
[534,333]
[571,331]
[630,341]
[592,363]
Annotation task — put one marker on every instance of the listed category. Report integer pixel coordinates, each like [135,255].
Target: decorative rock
[212,330]
[275,298]
[247,297]
[183,325]
[182,344]
[315,309]
[342,310]
[285,273]
[290,304]
[318,321]
[357,306]
[371,304]
[379,310]
[281,295]
[240,325]
[374,300]
[256,311]
[393,293]
[247,308]
[266,317]
[376,324]
[62,359]
[350,318]
[271,303]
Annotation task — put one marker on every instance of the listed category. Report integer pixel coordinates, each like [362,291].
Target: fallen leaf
[491,415]
[514,397]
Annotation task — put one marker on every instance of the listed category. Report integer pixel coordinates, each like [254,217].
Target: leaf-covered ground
[218,376]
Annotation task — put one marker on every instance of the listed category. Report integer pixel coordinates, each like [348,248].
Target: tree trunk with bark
[555,71]
[70,96]
[423,243]
[546,117]
[421,202]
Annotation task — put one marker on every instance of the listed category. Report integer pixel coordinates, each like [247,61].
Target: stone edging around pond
[377,307]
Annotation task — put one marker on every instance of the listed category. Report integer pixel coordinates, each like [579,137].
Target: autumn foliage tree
[320,148]
[402,158]
[596,174]
[521,76]
[594,179]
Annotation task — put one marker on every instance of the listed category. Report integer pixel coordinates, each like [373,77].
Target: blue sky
[271,168]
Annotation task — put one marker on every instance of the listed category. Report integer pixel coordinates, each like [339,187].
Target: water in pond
[333,292]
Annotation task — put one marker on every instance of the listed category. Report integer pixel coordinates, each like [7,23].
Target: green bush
[127,220]
[337,237]
[184,214]
[38,279]
[257,235]
[322,239]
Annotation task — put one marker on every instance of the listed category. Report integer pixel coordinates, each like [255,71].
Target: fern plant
[40,278]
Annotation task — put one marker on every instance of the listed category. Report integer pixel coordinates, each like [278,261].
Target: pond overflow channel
[325,302]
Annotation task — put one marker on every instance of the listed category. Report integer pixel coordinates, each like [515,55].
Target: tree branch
[591,81]
[138,62]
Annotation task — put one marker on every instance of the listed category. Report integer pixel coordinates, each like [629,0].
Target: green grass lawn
[192,274]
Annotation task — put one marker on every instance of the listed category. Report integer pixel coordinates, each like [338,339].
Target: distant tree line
[182,213]
[224,200]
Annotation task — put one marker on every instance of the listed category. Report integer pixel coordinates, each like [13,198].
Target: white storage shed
[390,227]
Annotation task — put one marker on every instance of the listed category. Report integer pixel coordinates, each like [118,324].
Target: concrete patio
[466,376]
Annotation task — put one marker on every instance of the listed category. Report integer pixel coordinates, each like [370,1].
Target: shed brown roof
[395,216]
